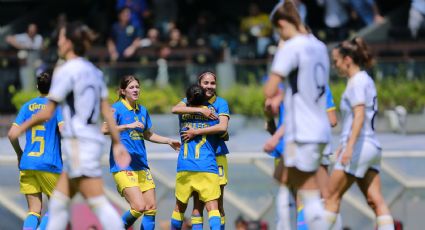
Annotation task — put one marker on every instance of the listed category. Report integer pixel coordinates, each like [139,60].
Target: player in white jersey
[304,62]
[79,86]
[359,154]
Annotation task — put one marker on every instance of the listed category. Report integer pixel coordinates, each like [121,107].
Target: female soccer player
[79,86]
[359,153]
[40,163]
[135,182]
[197,170]
[303,61]
[207,80]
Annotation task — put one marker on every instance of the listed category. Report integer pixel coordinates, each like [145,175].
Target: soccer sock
[31,222]
[129,217]
[105,212]
[58,211]
[313,208]
[330,219]
[301,224]
[282,209]
[338,222]
[197,222]
[222,222]
[214,219]
[148,221]
[385,222]
[43,222]
[177,220]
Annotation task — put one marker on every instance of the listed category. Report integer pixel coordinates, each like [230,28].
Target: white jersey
[79,86]
[360,90]
[304,62]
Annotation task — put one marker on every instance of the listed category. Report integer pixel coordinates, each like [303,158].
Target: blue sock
[301,224]
[31,222]
[214,219]
[43,222]
[148,221]
[177,220]
[130,217]
[222,222]
[197,222]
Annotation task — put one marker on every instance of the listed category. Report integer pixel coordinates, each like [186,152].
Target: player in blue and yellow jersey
[207,80]
[135,182]
[197,170]
[40,163]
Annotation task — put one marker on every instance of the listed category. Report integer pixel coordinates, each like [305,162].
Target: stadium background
[166,68]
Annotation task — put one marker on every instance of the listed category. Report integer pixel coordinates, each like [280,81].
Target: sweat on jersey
[304,62]
[79,86]
[132,139]
[43,147]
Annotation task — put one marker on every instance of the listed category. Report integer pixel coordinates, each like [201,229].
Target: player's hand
[136,124]
[188,134]
[14,133]
[121,156]
[347,154]
[175,144]
[208,113]
[114,56]
[270,144]
[129,51]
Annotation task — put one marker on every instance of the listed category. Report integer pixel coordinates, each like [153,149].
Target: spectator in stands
[416,17]
[200,31]
[336,20]
[176,40]
[139,12]
[60,22]
[29,44]
[257,24]
[124,38]
[367,10]
[152,39]
[165,15]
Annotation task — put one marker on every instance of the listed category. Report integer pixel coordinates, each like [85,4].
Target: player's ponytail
[195,95]
[357,49]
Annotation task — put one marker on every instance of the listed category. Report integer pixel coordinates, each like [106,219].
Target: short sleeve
[223,108]
[22,115]
[148,122]
[103,89]
[184,100]
[61,86]
[330,104]
[284,61]
[356,94]
[59,116]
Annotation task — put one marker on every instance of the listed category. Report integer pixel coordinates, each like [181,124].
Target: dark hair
[44,80]
[203,74]
[195,95]
[357,49]
[124,82]
[79,34]
[286,11]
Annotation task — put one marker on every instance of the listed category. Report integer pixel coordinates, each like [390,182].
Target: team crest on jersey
[136,135]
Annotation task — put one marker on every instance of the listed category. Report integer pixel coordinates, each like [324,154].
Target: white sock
[338,222]
[385,222]
[58,211]
[313,209]
[106,214]
[282,209]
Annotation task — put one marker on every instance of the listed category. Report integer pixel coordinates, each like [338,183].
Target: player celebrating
[359,153]
[79,86]
[207,80]
[40,163]
[135,182]
[304,62]
[197,170]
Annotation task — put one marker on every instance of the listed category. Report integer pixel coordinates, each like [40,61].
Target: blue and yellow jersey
[330,104]
[132,139]
[278,151]
[42,150]
[222,109]
[198,154]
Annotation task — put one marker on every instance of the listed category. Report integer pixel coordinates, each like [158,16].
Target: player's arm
[358,120]
[219,128]
[15,141]
[332,116]
[11,39]
[182,108]
[155,138]
[272,85]
[40,117]
[120,128]
[274,139]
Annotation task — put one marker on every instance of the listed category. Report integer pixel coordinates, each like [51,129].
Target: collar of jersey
[128,106]
[212,99]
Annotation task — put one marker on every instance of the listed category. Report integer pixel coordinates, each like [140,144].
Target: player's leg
[30,187]
[59,204]
[283,196]
[148,221]
[48,182]
[214,218]
[183,193]
[128,187]
[221,208]
[223,179]
[197,213]
[207,185]
[177,217]
[370,185]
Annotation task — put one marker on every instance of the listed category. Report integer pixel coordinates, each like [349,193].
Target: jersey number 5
[35,138]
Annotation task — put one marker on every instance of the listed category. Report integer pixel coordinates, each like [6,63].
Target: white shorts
[366,155]
[82,157]
[305,157]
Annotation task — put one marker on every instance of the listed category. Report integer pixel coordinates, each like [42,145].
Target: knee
[375,202]
[138,206]
[150,207]
[196,212]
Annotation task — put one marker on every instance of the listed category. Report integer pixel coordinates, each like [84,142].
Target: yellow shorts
[33,181]
[276,161]
[222,169]
[205,184]
[126,179]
